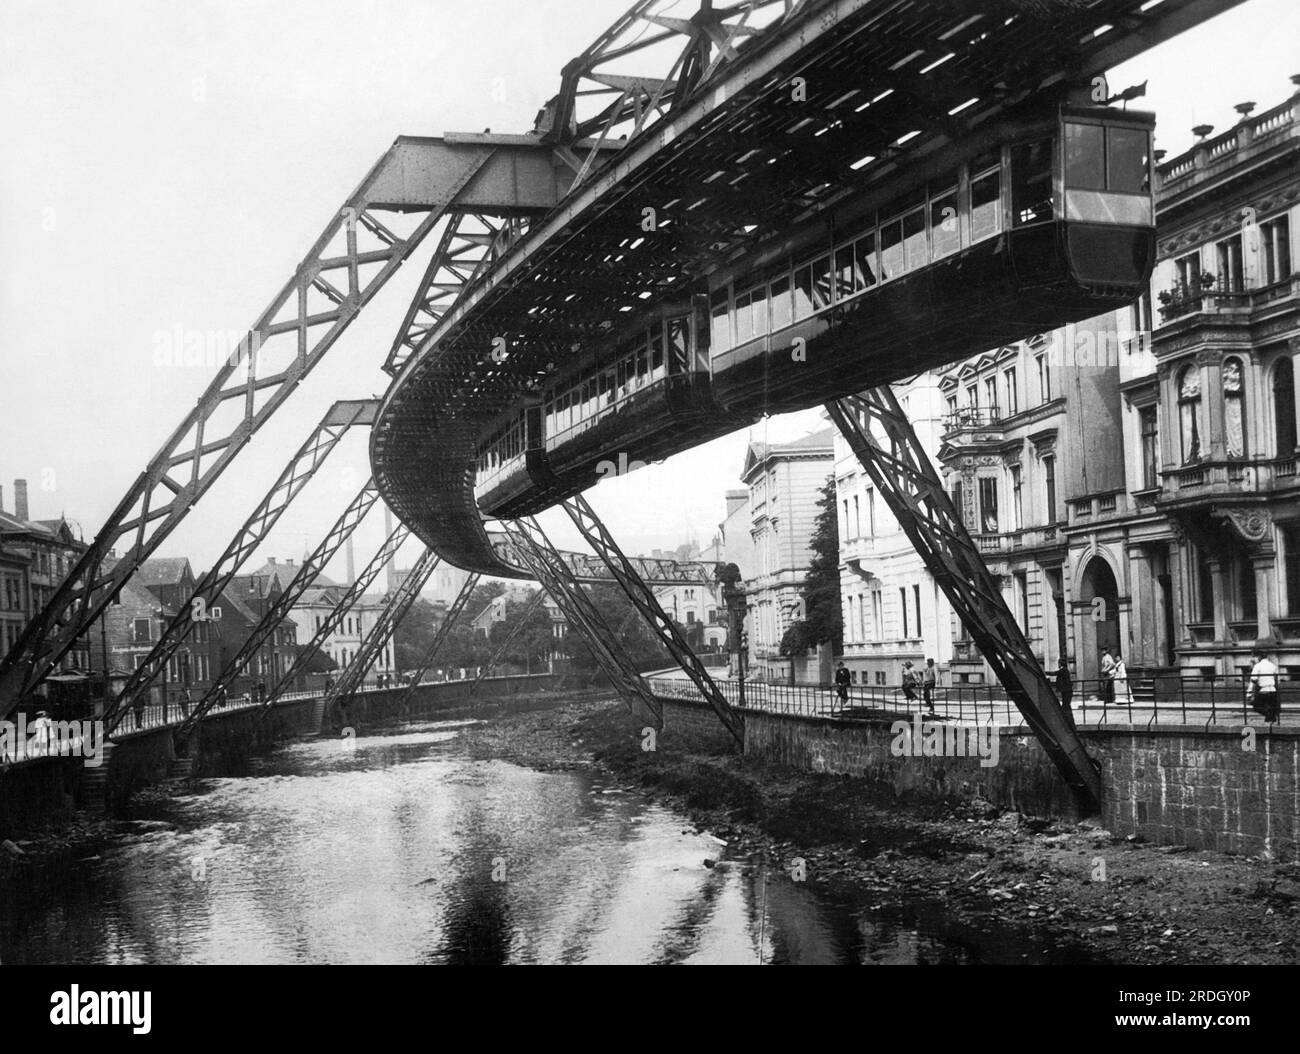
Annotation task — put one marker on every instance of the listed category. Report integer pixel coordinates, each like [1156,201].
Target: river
[398,847]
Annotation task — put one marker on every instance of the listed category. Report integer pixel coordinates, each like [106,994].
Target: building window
[988,504]
[1275,241]
[1228,254]
[1044,378]
[916,595]
[1243,573]
[952,406]
[857,518]
[871,512]
[846,519]
[1234,408]
[1284,431]
[878,617]
[1204,586]
[973,397]
[1017,509]
[1290,531]
[1149,427]
[902,603]
[1009,383]
[1188,271]
[1022,600]
[1189,414]
[991,395]
[140,631]
[1049,476]
[959,500]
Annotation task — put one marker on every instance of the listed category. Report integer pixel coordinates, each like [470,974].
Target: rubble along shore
[1123,900]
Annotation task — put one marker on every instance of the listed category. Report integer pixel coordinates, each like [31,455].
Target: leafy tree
[533,643]
[822,622]
[414,633]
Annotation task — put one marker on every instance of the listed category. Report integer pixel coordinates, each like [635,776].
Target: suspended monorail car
[1019,229]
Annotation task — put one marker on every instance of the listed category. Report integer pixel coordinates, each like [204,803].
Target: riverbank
[1125,901]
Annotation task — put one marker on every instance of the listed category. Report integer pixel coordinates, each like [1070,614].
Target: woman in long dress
[1119,678]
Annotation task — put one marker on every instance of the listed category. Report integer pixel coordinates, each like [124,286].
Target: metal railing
[1166,700]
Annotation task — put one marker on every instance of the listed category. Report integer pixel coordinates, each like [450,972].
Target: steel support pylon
[310,569]
[439,637]
[548,566]
[533,604]
[345,603]
[359,250]
[396,605]
[643,598]
[336,423]
[902,474]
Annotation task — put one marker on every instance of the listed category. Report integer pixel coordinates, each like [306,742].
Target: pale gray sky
[167,163]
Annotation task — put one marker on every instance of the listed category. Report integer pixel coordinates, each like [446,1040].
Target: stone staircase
[94,784]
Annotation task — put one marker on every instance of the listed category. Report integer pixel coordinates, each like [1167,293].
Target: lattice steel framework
[361,247]
[396,605]
[311,568]
[440,636]
[548,566]
[597,535]
[355,591]
[534,602]
[301,468]
[903,475]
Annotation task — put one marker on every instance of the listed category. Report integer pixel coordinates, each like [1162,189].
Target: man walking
[1064,685]
[929,678]
[1107,677]
[1262,690]
[909,681]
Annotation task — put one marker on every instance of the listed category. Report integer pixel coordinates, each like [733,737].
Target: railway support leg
[644,600]
[533,604]
[549,567]
[439,637]
[902,473]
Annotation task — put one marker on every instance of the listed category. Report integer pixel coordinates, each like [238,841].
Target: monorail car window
[917,251]
[821,290]
[758,311]
[864,255]
[679,345]
[1031,182]
[945,228]
[1085,156]
[803,284]
[985,204]
[891,250]
[1128,166]
[656,353]
[780,299]
[744,330]
[721,312]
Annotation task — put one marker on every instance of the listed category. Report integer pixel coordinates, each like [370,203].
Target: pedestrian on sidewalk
[1064,685]
[1119,692]
[1107,677]
[1261,692]
[909,682]
[842,681]
[929,678]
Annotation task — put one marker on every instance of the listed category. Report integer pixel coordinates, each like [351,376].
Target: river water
[400,848]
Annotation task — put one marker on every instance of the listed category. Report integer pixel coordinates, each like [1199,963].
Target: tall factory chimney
[390,568]
[20,499]
[352,562]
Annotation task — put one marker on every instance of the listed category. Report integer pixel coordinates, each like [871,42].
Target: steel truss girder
[440,636]
[590,569]
[396,605]
[533,604]
[903,474]
[548,566]
[345,603]
[310,569]
[349,263]
[301,468]
[463,252]
[597,535]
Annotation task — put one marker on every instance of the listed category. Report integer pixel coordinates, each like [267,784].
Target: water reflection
[402,849]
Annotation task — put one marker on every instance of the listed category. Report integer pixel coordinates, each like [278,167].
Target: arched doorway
[1100,630]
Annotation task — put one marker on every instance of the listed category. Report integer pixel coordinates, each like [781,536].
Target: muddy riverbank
[1122,900]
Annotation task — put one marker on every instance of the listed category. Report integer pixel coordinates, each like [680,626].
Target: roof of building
[163,570]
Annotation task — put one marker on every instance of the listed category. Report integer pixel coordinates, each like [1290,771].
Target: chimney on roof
[289,562]
[352,562]
[271,560]
[20,499]
[2,499]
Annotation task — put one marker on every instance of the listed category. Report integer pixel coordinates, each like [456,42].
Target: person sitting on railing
[909,682]
[1261,692]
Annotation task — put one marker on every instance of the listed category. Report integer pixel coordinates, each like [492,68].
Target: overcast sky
[166,163]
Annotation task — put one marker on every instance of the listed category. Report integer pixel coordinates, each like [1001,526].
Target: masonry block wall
[1178,785]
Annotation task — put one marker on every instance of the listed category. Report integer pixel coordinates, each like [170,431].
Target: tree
[533,643]
[822,622]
